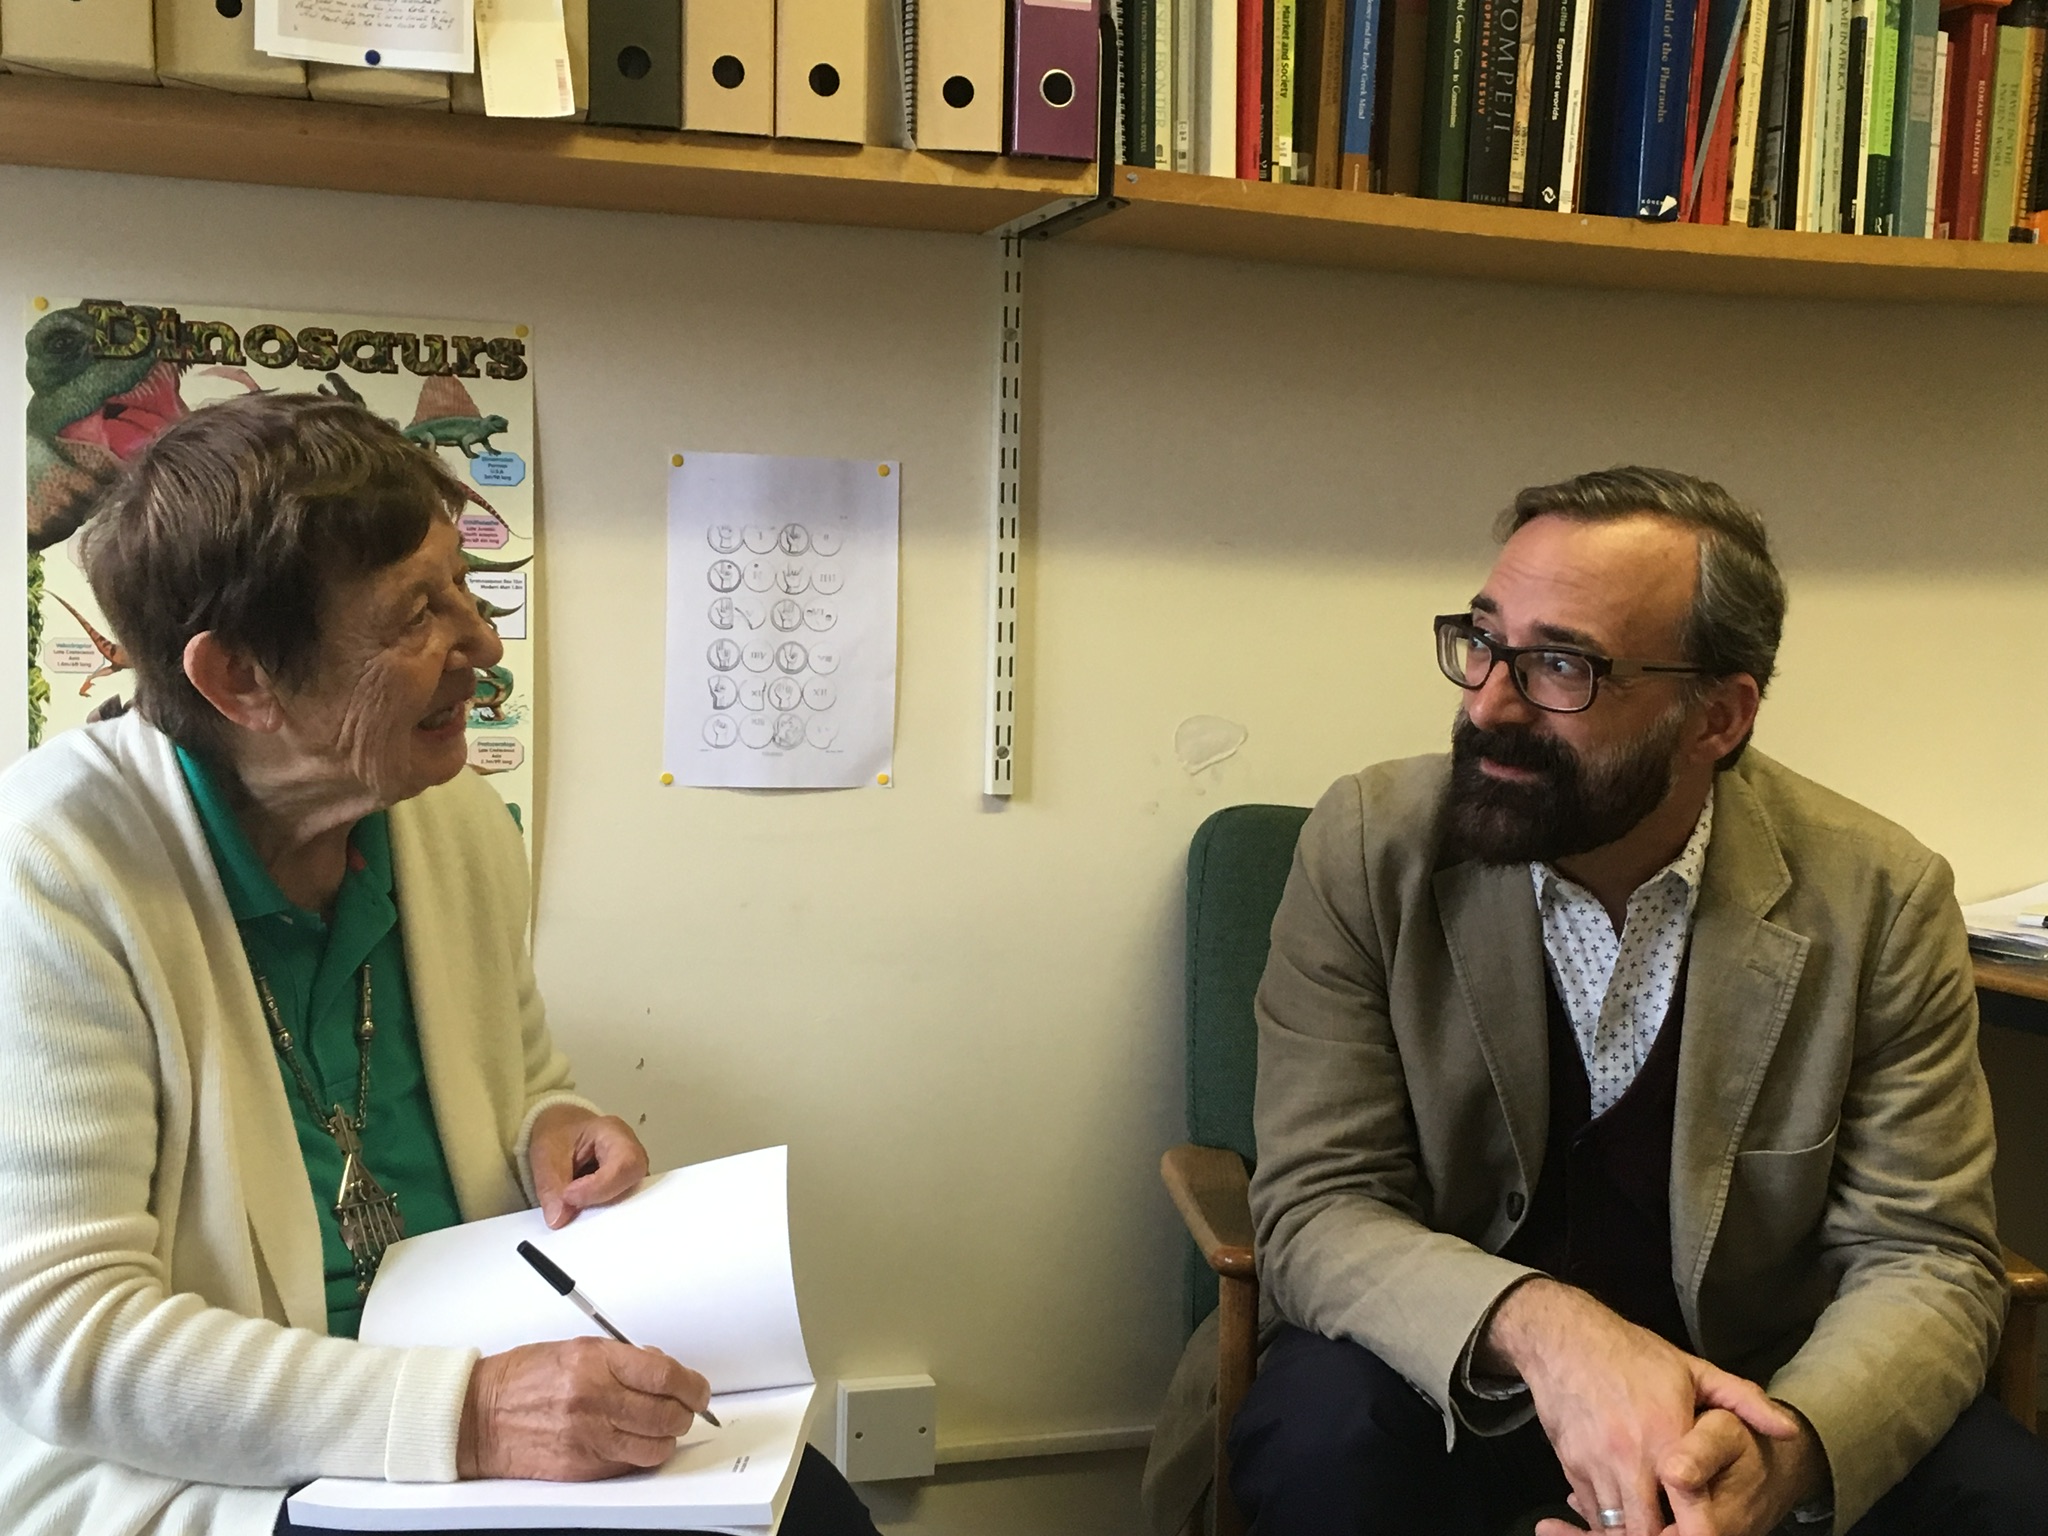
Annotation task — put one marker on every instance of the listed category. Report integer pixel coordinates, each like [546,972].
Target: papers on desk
[2010,927]
[695,1264]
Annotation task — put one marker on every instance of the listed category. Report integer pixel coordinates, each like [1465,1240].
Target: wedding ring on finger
[1613,1519]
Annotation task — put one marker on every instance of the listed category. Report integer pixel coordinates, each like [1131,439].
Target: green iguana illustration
[448,418]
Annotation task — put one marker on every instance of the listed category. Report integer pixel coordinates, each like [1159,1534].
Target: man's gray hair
[1738,605]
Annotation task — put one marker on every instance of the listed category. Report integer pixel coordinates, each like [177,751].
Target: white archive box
[92,39]
[212,44]
[359,83]
[729,66]
[839,71]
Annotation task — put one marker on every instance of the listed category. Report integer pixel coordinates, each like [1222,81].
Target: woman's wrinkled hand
[575,1411]
[580,1159]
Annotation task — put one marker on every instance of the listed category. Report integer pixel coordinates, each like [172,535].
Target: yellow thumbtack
[521,331]
[676,459]
[883,471]
[42,304]
[668,778]
[881,778]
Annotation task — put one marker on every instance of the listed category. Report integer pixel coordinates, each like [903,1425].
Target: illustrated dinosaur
[448,418]
[87,416]
[116,659]
[493,692]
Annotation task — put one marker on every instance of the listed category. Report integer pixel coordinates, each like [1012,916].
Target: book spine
[2030,112]
[1710,198]
[1570,180]
[1813,43]
[2001,163]
[1525,105]
[1405,53]
[1285,39]
[1322,59]
[1650,110]
[1749,101]
[1783,188]
[1878,159]
[1973,56]
[1217,117]
[1546,104]
[1447,98]
[1855,107]
[1913,108]
[1251,74]
[1840,49]
[1136,23]
[1164,39]
[1695,107]
[1361,82]
[1774,142]
[1937,128]
[1186,84]
[1486,168]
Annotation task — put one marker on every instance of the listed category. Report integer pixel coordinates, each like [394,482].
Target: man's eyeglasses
[1560,678]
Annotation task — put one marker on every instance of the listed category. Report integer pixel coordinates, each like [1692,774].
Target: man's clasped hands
[1644,1428]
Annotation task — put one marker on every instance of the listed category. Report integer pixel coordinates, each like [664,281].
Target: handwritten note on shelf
[781,621]
[386,34]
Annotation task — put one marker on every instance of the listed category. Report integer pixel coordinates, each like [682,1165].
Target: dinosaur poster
[106,375]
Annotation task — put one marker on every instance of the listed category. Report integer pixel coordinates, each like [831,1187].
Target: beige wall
[1252,488]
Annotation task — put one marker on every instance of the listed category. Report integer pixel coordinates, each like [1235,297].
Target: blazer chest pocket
[1775,1203]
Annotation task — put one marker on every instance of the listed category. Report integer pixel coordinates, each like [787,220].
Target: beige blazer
[164,1364]
[1831,1213]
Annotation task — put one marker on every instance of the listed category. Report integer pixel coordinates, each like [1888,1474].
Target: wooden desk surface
[2015,978]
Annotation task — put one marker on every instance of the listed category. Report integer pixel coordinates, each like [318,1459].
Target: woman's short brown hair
[237,519]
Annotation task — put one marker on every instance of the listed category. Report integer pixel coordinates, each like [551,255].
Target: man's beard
[1572,806]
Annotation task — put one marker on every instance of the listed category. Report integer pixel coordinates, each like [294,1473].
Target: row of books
[1884,117]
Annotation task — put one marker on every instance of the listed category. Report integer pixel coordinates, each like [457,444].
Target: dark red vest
[1601,1215]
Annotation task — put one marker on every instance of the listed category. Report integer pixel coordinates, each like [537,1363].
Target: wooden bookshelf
[212,136]
[1259,221]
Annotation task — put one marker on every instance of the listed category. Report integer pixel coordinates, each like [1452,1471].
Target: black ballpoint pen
[557,1277]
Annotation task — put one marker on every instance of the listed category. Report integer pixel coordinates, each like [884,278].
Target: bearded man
[1622,1140]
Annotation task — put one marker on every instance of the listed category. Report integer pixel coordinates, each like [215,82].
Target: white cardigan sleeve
[96,1354]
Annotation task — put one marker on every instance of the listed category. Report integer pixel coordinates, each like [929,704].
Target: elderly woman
[263,922]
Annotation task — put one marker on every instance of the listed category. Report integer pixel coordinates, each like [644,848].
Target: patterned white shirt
[1617,987]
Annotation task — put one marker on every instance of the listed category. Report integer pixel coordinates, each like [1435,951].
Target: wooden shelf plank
[1260,221]
[206,135]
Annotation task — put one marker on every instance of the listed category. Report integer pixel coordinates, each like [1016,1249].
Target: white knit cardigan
[164,1364]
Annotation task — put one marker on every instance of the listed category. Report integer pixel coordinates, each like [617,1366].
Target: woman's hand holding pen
[575,1411]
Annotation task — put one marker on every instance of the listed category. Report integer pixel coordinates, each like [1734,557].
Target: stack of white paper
[1996,927]
[696,1264]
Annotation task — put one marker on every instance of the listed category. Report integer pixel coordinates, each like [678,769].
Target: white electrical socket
[888,1428]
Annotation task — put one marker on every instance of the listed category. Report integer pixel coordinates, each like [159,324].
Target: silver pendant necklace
[367,1214]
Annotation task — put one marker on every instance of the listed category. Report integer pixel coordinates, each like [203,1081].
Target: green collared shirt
[312,964]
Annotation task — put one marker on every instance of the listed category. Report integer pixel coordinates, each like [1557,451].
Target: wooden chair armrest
[2026,1281]
[1212,1191]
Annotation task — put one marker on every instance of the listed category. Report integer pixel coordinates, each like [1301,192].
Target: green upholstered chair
[1237,868]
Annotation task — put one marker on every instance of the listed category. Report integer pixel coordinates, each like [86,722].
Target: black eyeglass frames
[1562,679]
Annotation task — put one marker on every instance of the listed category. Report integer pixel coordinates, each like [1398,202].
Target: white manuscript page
[781,621]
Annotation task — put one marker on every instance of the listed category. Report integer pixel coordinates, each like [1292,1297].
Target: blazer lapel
[1490,926]
[1739,985]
